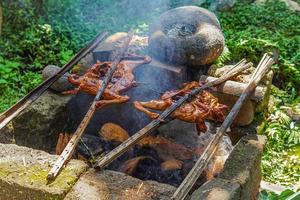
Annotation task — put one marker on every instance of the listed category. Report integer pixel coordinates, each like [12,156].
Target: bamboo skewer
[115,153]
[69,149]
[33,95]
[194,174]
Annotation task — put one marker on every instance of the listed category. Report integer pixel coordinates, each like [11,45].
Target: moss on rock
[23,173]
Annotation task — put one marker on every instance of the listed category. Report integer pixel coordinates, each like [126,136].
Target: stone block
[241,175]
[62,84]
[23,173]
[217,189]
[243,165]
[111,185]
[39,125]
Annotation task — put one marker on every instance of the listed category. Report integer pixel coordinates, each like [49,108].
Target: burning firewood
[130,165]
[203,106]
[172,164]
[122,80]
[62,142]
[165,148]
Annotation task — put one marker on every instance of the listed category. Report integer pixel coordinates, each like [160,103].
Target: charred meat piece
[203,106]
[122,80]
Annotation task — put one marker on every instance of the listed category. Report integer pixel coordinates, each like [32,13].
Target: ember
[155,157]
[203,106]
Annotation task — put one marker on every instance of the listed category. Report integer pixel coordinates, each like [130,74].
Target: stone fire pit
[24,167]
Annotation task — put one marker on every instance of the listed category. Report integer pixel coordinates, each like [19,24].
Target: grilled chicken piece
[203,106]
[122,80]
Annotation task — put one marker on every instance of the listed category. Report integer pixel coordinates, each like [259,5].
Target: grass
[33,38]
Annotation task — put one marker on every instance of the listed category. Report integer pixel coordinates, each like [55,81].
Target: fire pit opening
[179,30]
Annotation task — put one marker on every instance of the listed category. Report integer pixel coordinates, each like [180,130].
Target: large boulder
[186,35]
[40,124]
[62,84]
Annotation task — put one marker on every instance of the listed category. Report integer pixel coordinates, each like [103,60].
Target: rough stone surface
[203,44]
[85,63]
[218,189]
[111,185]
[23,173]
[6,134]
[39,125]
[241,175]
[243,165]
[62,84]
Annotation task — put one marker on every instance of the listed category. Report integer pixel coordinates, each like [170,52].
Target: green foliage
[14,84]
[35,36]
[252,29]
[281,163]
[285,195]
[27,44]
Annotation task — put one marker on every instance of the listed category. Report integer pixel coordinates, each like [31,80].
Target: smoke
[86,17]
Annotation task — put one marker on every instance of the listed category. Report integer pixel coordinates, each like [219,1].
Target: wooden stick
[69,149]
[234,88]
[33,95]
[191,178]
[115,153]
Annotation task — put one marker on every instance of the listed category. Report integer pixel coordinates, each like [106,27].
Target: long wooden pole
[115,153]
[33,95]
[69,149]
[183,190]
